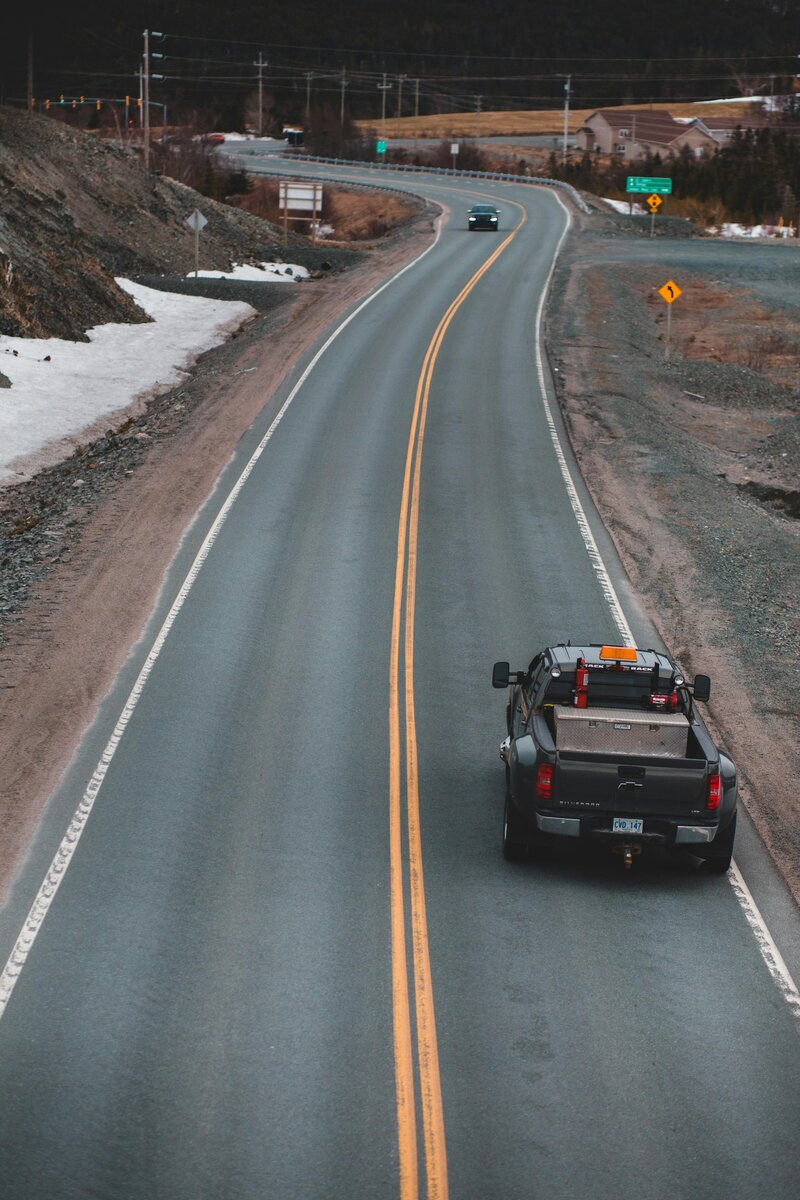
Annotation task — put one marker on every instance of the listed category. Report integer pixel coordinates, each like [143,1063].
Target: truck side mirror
[702,687]
[500,675]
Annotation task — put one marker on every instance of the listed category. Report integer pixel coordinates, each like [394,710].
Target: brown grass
[522,123]
[354,215]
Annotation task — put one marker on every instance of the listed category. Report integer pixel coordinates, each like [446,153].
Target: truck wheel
[719,861]
[514,846]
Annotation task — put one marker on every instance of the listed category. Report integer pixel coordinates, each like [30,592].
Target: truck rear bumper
[666,832]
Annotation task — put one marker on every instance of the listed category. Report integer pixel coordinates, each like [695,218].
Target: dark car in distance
[482,216]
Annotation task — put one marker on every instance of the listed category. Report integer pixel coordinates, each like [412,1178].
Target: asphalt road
[287,958]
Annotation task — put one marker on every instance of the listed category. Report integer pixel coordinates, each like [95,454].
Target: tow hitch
[628,850]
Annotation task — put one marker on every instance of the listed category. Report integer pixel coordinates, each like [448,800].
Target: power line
[379,52]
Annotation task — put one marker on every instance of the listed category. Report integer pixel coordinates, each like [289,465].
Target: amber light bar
[619,653]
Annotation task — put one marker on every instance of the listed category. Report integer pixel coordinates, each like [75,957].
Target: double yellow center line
[430,1091]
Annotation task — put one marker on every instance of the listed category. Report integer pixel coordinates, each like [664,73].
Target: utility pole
[400,79]
[141,95]
[567,89]
[416,109]
[146,89]
[146,98]
[309,77]
[260,64]
[383,88]
[341,101]
[478,103]
[30,66]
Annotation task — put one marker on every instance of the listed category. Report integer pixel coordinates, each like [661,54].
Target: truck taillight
[544,781]
[714,791]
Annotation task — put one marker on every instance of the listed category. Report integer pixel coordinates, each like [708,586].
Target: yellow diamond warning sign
[654,201]
[670,291]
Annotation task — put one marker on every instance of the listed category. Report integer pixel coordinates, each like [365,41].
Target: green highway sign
[380,146]
[639,183]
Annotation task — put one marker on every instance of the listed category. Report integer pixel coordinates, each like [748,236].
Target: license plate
[627,825]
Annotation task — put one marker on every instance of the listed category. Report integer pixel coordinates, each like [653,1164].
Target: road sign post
[643,183]
[300,198]
[654,201]
[196,222]
[454,149]
[669,291]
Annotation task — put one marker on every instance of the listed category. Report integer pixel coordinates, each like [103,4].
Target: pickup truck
[605,743]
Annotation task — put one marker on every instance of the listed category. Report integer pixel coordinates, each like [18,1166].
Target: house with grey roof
[634,133]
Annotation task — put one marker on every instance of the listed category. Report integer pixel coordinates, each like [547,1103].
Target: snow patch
[623,206]
[62,392]
[265,272]
[731,229]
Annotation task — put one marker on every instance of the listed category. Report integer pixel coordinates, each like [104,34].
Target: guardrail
[414,169]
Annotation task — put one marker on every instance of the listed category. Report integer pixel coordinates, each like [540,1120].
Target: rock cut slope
[76,211]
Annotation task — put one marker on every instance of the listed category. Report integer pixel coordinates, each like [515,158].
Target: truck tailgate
[645,786]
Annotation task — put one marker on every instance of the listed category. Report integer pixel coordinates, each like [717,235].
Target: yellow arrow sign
[670,291]
[654,201]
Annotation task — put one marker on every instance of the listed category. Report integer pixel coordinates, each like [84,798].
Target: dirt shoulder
[694,463]
[86,544]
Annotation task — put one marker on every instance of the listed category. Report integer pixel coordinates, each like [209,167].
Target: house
[633,133]
[722,129]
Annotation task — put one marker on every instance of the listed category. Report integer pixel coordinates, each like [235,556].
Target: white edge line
[766,944]
[69,843]
[769,951]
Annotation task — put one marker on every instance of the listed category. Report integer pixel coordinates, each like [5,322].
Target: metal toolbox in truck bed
[648,734]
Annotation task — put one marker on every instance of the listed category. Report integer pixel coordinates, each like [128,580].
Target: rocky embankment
[76,211]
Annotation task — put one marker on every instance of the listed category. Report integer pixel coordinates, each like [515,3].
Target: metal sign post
[300,198]
[655,202]
[196,222]
[643,183]
[669,292]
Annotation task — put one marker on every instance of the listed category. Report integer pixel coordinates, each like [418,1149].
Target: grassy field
[520,124]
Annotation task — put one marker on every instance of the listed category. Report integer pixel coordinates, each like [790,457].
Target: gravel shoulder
[84,545]
[694,462]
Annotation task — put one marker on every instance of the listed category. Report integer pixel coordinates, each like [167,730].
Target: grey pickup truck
[605,743]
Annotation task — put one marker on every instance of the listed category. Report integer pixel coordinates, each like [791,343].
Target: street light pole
[341,102]
[567,88]
[478,103]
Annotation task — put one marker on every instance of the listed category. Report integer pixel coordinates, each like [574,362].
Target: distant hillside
[513,55]
[75,212]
